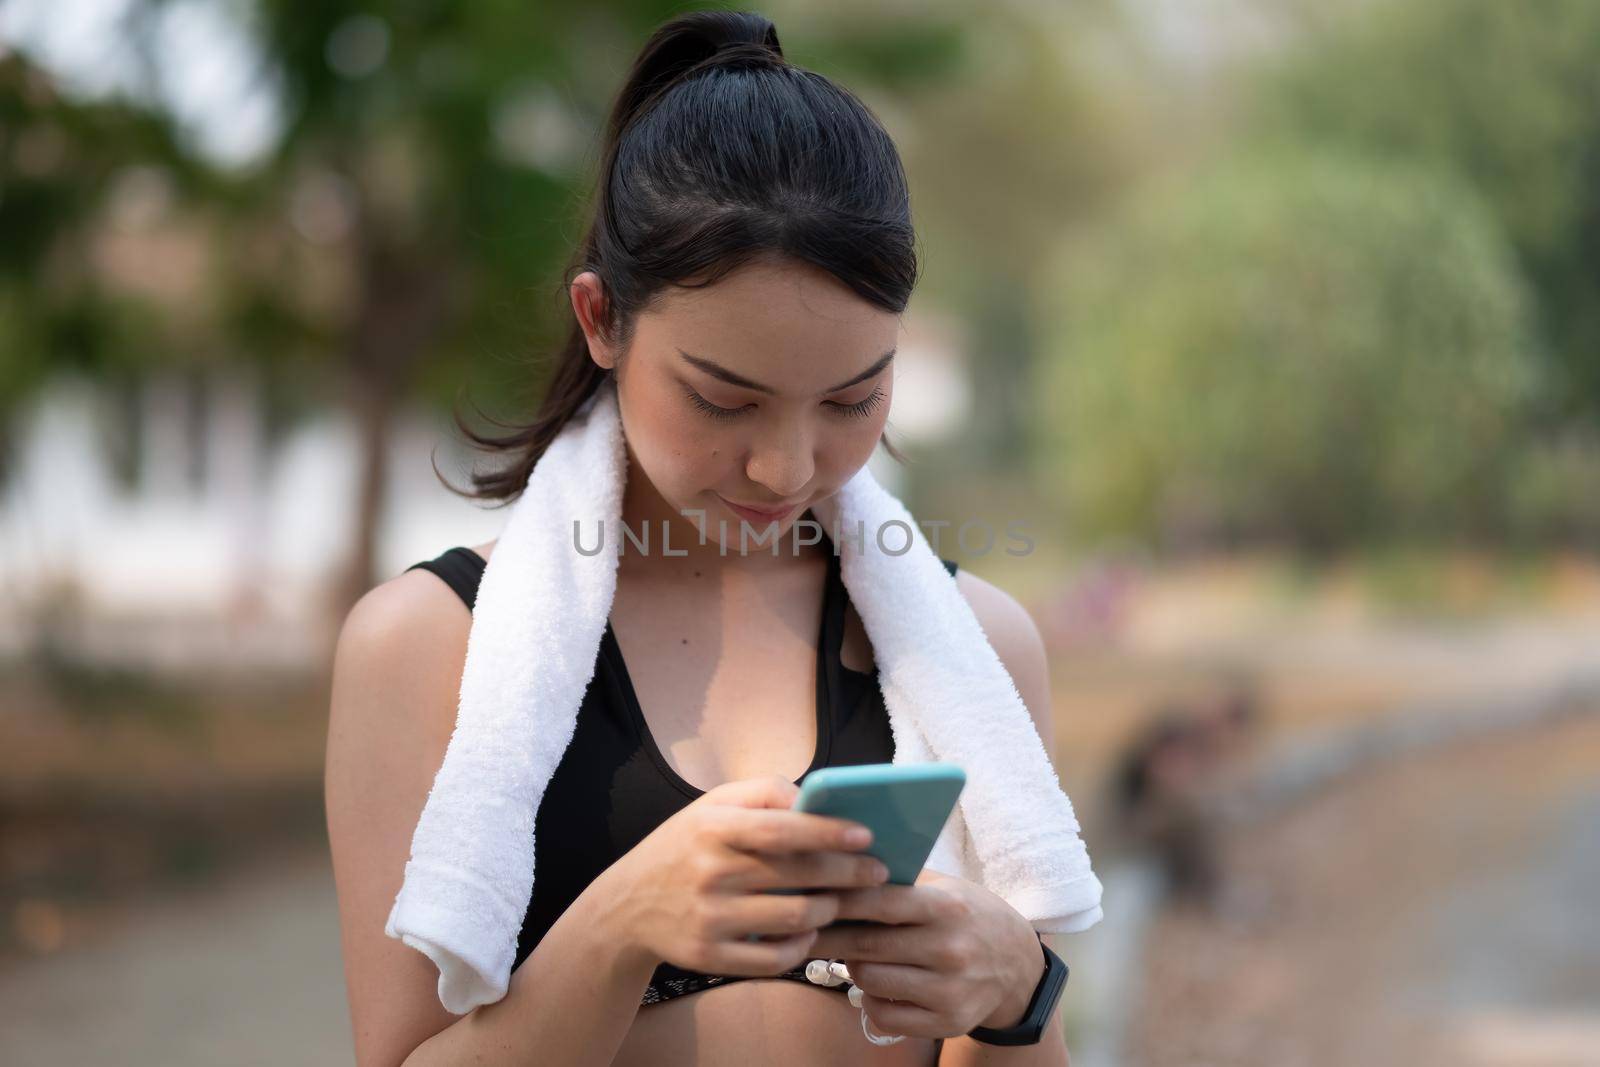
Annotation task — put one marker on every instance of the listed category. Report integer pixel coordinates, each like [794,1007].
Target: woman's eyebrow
[716,370]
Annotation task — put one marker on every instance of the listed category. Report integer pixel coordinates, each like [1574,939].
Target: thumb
[771,791]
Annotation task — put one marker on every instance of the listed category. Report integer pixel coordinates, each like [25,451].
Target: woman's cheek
[666,442]
[862,444]
[692,467]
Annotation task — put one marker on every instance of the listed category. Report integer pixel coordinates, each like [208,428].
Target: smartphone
[904,804]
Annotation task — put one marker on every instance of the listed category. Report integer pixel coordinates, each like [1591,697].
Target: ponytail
[685,45]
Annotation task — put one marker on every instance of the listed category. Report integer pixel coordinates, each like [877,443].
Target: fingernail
[858,835]
[880,872]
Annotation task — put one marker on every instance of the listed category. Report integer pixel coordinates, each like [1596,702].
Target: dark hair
[719,152]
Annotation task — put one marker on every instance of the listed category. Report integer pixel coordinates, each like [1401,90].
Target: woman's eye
[861,408]
[711,409]
[858,410]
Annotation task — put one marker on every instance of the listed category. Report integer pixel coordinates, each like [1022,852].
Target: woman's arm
[396,683]
[1015,638]
[573,1000]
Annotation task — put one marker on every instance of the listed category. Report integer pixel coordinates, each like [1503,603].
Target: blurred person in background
[742,282]
[1168,781]
[1230,722]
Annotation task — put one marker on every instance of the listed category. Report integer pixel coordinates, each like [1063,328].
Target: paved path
[242,972]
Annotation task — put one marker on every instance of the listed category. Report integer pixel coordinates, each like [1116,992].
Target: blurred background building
[1276,323]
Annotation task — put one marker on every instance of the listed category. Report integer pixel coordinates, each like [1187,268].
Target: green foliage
[1291,344]
[60,161]
[1505,95]
[885,52]
[1553,495]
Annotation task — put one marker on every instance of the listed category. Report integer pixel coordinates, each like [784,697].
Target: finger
[788,831]
[828,869]
[752,958]
[922,986]
[770,791]
[893,1017]
[895,903]
[914,944]
[772,913]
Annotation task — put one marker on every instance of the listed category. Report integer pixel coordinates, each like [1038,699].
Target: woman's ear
[589,305]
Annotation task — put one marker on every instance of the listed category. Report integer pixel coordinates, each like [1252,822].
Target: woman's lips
[754,515]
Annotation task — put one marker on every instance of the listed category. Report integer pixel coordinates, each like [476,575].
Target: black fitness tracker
[1040,1008]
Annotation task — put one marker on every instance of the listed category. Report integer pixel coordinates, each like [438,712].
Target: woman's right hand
[693,888]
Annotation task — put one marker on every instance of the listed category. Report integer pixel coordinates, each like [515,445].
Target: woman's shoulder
[413,621]
[411,618]
[396,677]
[1007,624]
[1015,638]
[460,569]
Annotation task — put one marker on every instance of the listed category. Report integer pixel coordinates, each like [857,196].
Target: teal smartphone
[904,804]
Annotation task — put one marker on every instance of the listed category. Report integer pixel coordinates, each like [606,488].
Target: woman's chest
[737,684]
[738,702]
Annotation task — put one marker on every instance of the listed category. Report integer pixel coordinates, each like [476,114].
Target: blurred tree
[1020,139]
[63,164]
[1506,95]
[426,179]
[1290,345]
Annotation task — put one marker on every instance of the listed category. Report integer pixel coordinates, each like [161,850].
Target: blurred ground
[164,870]
[242,971]
[114,784]
[1435,911]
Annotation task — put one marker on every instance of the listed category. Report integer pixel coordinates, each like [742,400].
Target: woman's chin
[740,536]
[715,526]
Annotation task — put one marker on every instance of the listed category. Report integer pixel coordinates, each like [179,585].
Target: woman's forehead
[794,327]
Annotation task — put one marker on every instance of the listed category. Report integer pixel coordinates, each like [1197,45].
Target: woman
[741,282]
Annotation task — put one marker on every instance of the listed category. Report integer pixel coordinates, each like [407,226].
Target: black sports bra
[613,786]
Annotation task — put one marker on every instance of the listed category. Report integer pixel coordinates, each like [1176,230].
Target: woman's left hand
[956,956]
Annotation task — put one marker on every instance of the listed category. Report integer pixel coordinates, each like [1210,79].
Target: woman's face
[769,389]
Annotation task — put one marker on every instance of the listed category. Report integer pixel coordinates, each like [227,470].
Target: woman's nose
[783,464]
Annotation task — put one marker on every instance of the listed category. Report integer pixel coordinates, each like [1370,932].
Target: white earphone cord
[832,973]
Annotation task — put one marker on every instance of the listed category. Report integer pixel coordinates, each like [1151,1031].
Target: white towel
[529,662]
